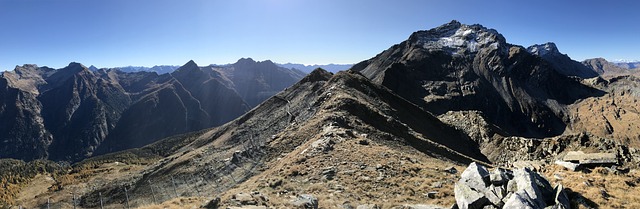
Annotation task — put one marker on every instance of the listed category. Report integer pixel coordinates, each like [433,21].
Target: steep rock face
[79,110]
[22,133]
[74,112]
[214,93]
[257,81]
[561,62]
[469,67]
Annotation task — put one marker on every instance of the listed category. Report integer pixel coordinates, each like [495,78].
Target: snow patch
[463,40]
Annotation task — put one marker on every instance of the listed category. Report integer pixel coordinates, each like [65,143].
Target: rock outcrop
[501,188]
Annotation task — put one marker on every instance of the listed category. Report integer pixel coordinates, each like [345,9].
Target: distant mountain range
[73,113]
[162,69]
[334,68]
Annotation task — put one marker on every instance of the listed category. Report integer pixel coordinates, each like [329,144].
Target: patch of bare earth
[598,187]
[60,190]
[348,169]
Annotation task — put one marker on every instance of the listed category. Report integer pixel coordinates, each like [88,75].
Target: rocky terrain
[607,69]
[73,113]
[453,117]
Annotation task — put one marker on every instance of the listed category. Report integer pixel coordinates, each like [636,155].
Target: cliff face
[73,113]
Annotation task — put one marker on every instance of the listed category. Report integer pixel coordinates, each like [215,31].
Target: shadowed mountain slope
[73,112]
[458,67]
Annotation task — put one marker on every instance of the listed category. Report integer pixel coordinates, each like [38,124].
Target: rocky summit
[457,67]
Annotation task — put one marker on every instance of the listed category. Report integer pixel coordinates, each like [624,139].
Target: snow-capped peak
[543,49]
[457,38]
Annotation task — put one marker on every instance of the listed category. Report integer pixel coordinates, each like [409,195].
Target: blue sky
[155,32]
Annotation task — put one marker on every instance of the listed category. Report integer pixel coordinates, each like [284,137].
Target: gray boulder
[468,198]
[520,200]
[306,201]
[368,206]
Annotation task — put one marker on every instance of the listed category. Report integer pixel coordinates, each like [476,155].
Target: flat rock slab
[590,158]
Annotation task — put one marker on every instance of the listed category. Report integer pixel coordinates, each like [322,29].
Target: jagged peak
[245,60]
[188,67]
[457,38]
[191,63]
[74,67]
[318,74]
[543,49]
[269,62]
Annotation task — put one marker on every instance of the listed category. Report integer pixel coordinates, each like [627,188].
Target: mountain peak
[188,67]
[191,63]
[75,65]
[457,38]
[245,60]
[543,49]
[318,74]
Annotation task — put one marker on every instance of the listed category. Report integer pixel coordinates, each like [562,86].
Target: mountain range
[308,68]
[390,132]
[160,69]
[73,113]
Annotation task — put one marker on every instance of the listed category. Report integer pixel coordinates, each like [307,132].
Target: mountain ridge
[75,112]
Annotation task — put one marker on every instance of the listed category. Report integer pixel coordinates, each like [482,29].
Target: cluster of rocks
[502,188]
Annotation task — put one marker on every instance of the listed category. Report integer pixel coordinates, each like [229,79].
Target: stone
[531,165]
[468,198]
[499,177]
[213,204]
[368,206]
[244,199]
[451,170]
[512,186]
[273,183]
[520,200]
[561,198]
[328,173]
[363,142]
[249,207]
[306,201]
[437,184]
[432,195]
[590,158]
[527,183]
[495,195]
[418,206]
[568,165]
[475,176]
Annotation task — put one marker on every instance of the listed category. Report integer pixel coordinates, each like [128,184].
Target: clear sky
[110,33]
